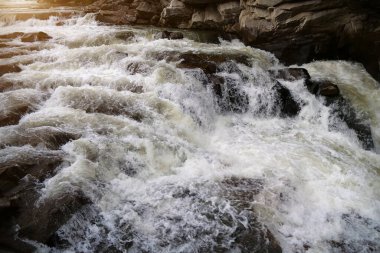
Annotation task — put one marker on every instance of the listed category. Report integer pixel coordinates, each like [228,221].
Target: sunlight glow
[17,3]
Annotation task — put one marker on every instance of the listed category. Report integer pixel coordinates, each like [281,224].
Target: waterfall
[166,165]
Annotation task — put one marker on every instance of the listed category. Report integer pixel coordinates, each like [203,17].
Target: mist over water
[158,157]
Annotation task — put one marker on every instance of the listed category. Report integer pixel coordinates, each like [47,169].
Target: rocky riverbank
[295,31]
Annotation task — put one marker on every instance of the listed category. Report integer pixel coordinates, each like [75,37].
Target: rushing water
[156,150]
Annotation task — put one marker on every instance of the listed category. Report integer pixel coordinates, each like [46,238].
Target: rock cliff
[296,31]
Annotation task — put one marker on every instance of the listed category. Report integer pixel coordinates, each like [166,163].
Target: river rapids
[164,168]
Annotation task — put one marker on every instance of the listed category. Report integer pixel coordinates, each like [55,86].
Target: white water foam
[153,162]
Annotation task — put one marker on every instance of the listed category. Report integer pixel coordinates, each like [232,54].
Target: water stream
[157,156]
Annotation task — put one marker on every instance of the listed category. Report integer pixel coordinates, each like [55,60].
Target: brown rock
[328,89]
[33,37]
[9,68]
[14,104]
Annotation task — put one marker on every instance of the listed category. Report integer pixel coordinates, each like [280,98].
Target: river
[165,168]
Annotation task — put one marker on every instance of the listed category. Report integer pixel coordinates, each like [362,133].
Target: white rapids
[155,147]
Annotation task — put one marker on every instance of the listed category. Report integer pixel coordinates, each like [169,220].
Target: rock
[295,31]
[26,37]
[342,109]
[176,14]
[9,68]
[197,61]
[11,36]
[125,35]
[196,2]
[17,162]
[229,95]
[230,11]
[328,89]
[242,192]
[286,105]
[290,74]
[14,104]
[49,137]
[40,223]
[146,10]
[176,36]
[169,35]
[33,37]
[208,62]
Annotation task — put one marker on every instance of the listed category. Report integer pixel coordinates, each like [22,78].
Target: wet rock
[328,89]
[138,68]
[9,68]
[206,61]
[127,35]
[286,105]
[33,37]
[26,37]
[242,191]
[11,36]
[32,218]
[254,236]
[343,110]
[18,162]
[169,35]
[290,74]
[40,223]
[295,31]
[229,95]
[14,104]
[49,137]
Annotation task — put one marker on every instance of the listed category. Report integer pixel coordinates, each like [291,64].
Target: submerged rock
[26,37]
[208,62]
[229,95]
[49,137]
[344,111]
[18,162]
[14,104]
[33,37]
[169,35]
[290,74]
[254,236]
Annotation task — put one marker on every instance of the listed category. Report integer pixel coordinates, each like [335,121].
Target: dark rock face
[296,31]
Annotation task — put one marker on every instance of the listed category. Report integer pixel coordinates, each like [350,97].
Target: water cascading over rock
[114,140]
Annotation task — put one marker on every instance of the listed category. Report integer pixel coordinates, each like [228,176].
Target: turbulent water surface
[160,160]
